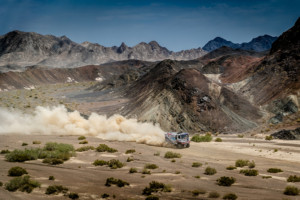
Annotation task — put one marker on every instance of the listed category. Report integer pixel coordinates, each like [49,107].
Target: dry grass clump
[269,137]
[151,166]
[83,142]
[170,154]
[36,142]
[81,137]
[218,140]
[105,148]
[230,167]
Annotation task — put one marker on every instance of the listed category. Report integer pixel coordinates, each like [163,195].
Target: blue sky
[174,24]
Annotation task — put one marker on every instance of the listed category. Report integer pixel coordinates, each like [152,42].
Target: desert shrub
[22,155]
[291,190]
[230,196]
[114,164]
[152,197]
[151,166]
[204,138]
[177,172]
[265,177]
[22,183]
[16,171]
[100,162]
[269,137]
[1,184]
[129,159]
[56,189]
[81,137]
[36,142]
[197,192]
[218,140]
[225,181]
[293,179]
[85,148]
[251,164]
[132,170]
[157,154]
[83,142]
[173,160]
[170,154]
[274,170]
[53,161]
[210,171]
[129,151]
[196,164]
[73,195]
[105,195]
[156,186]
[24,144]
[249,172]
[5,151]
[240,135]
[51,178]
[213,195]
[112,181]
[105,148]
[145,171]
[241,163]
[230,167]
[197,176]
[53,146]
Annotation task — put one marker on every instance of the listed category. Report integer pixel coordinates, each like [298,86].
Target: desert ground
[79,175]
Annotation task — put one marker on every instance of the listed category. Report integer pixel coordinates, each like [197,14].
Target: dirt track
[79,175]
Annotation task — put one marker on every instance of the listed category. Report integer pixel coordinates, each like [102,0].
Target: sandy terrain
[79,175]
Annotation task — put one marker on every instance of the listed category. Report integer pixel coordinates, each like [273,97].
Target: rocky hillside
[259,44]
[20,49]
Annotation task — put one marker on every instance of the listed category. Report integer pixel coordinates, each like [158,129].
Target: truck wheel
[188,145]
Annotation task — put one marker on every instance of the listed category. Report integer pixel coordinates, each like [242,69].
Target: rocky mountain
[21,49]
[258,44]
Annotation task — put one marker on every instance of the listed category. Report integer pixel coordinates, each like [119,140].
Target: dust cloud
[58,121]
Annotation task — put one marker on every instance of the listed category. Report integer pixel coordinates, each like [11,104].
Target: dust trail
[58,121]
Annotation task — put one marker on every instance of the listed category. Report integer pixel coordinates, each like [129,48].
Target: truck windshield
[183,137]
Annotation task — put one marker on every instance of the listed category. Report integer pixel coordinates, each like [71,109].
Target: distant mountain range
[261,43]
[22,49]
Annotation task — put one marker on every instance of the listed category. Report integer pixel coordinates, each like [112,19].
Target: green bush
[218,140]
[60,147]
[151,166]
[251,164]
[81,137]
[269,137]
[205,138]
[213,195]
[145,171]
[230,167]
[173,160]
[210,171]
[112,181]
[85,148]
[100,162]
[104,195]
[293,179]
[155,186]
[129,159]
[73,195]
[53,161]
[83,142]
[291,190]
[274,170]
[105,148]
[17,171]
[36,142]
[249,172]
[4,151]
[170,154]
[51,178]
[225,181]
[129,151]
[23,155]
[132,170]
[196,164]
[24,144]
[114,164]
[197,192]
[241,163]
[230,196]
[22,183]
[152,197]
[56,189]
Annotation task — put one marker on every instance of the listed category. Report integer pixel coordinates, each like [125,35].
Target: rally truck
[178,139]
